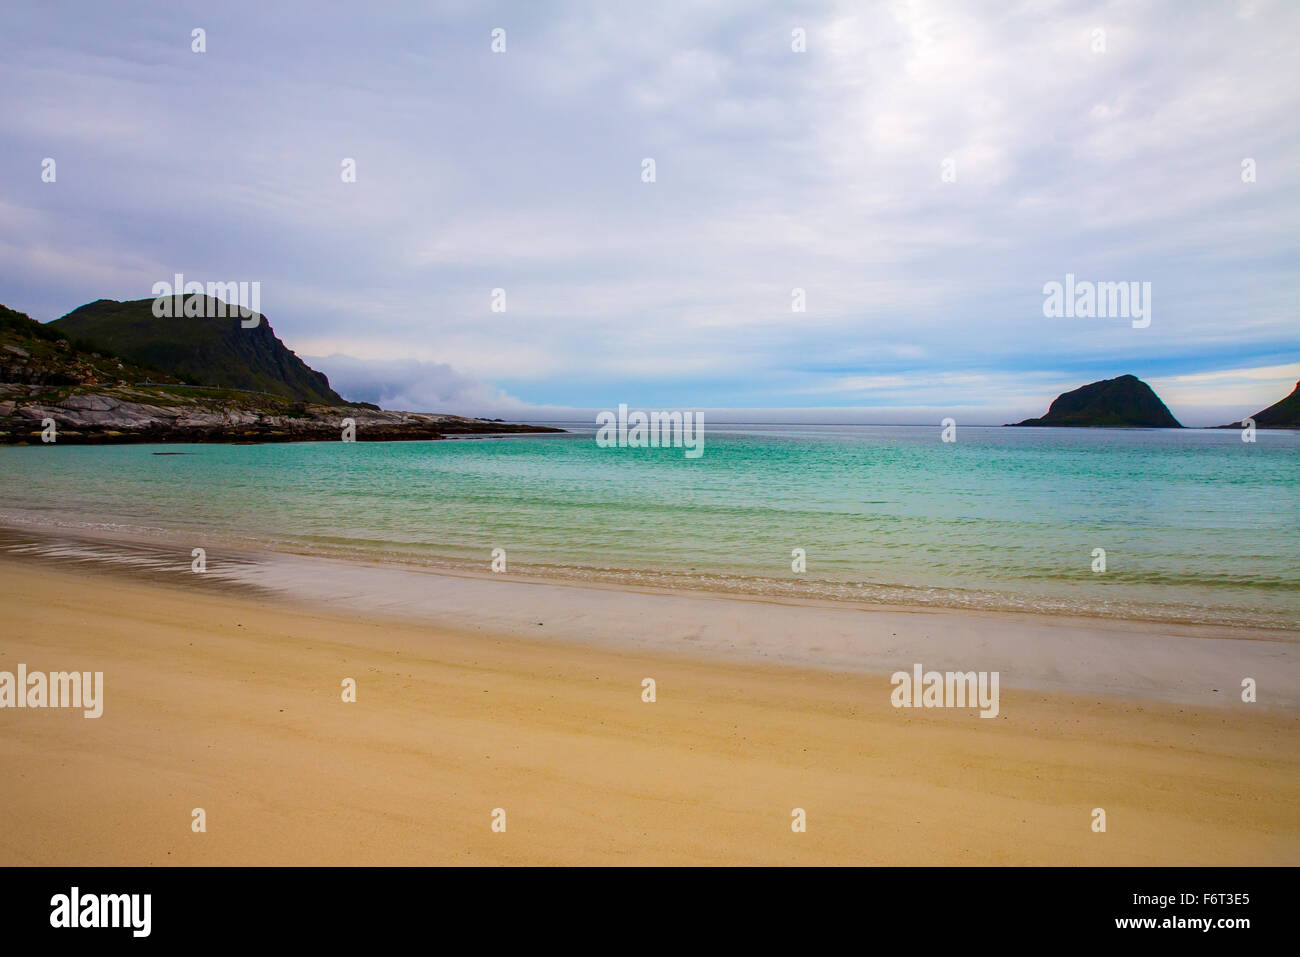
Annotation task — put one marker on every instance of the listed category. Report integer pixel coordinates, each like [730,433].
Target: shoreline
[1189,664]
[997,601]
[231,703]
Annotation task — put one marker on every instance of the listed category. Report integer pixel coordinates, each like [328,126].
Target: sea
[1165,525]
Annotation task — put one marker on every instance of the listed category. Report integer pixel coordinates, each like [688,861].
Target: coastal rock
[90,403]
[174,417]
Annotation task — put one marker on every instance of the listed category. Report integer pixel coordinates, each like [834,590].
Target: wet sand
[1182,663]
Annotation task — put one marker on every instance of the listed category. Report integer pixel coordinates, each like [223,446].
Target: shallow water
[1196,525]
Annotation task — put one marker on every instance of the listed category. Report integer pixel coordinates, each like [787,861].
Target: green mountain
[1126,402]
[94,397]
[36,355]
[216,352]
[1280,415]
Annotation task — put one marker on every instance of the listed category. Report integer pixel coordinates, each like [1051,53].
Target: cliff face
[207,351]
[1280,415]
[1125,402]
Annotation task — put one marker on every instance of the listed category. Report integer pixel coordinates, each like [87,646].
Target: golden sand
[233,704]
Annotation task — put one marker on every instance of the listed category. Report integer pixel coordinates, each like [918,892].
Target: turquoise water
[1196,525]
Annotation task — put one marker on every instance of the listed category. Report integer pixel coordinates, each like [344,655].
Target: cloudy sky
[1103,140]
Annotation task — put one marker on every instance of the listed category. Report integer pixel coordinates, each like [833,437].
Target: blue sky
[775,169]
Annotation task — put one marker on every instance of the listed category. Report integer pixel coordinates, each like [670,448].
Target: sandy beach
[232,703]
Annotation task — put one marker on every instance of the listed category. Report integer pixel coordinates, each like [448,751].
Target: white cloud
[819,170]
[411,385]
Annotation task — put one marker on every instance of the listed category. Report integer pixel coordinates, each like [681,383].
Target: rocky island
[110,372]
[1125,402]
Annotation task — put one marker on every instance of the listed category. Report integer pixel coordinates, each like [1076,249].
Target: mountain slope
[93,396]
[1125,402]
[1284,414]
[36,355]
[215,352]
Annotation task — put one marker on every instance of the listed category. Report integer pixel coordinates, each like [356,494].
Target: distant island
[1125,402]
[1284,414]
[112,372]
